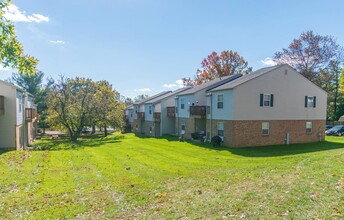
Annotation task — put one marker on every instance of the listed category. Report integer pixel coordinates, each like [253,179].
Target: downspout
[176,105]
[211,115]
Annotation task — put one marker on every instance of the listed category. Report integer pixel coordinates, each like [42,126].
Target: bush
[216,141]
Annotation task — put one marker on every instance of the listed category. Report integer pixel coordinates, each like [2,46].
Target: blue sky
[145,46]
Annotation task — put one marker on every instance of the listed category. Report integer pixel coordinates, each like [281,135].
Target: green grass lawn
[128,177]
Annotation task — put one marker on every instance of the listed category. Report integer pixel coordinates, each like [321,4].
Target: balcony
[141,116]
[2,105]
[30,114]
[198,110]
[171,112]
[157,116]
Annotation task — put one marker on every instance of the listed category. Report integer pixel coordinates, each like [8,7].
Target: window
[265,128]
[20,104]
[150,110]
[208,110]
[220,129]
[220,101]
[182,105]
[310,101]
[131,114]
[267,100]
[182,123]
[309,127]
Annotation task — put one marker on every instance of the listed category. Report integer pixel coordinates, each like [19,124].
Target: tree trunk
[74,138]
[93,129]
[105,131]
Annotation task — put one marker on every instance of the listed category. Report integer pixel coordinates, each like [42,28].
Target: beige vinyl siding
[289,92]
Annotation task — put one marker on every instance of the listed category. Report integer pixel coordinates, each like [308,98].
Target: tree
[33,84]
[140,98]
[340,109]
[328,79]
[11,51]
[128,101]
[215,66]
[310,53]
[108,108]
[70,104]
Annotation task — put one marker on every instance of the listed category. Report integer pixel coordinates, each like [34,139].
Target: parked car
[328,127]
[336,130]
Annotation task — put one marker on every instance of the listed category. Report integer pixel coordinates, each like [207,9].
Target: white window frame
[309,127]
[219,100]
[182,104]
[266,100]
[310,101]
[221,128]
[265,128]
[182,124]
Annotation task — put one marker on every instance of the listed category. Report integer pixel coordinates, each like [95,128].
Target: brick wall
[228,130]
[249,133]
[149,124]
[139,124]
[189,126]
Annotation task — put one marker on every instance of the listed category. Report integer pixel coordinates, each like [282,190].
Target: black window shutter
[261,99]
[272,100]
[314,101]
[306,101]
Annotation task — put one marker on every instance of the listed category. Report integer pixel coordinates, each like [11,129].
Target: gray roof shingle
[167,95]
[212,84]
[152,97]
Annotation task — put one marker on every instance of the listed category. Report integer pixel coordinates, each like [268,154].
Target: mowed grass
[130,177]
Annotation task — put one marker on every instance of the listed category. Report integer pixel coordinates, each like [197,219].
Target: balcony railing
[30,114]
[2,105]
[141,116]
[157,116]
[198,110]
[171,112]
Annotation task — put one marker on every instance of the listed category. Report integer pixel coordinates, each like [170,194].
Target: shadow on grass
[3,151]
[86,141]
[263,151]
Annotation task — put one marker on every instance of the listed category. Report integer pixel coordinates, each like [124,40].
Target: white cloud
[13,13]
[169,85]
[143,90]
[177,84]
[2,68]
[268,62]
[180,83]
[57,42]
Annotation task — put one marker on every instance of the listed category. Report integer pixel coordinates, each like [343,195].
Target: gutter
[211,114]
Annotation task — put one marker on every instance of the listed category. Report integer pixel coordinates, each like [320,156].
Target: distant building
[273,105]
[17,117]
